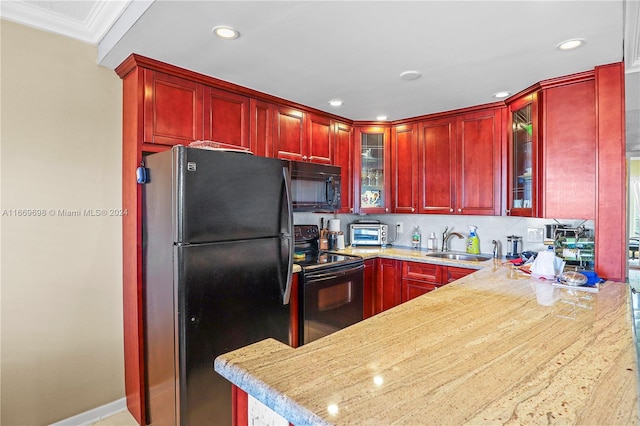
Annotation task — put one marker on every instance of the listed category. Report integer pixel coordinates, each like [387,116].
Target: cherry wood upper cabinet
[569,151]
[226,118]
[436,165]
[344,158]
[289,143]
[404,169]
[372,169]
[302,136]
[320,137]
[260,123]
[479,162]
[523,159]
[173,111]
[460,163]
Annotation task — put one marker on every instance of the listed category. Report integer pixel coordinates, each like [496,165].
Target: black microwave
[314,187]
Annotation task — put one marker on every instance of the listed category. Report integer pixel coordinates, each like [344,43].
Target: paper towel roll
[334,225]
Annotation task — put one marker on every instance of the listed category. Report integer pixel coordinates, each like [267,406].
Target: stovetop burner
[306,241]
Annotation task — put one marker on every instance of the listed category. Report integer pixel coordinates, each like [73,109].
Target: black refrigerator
[217,259]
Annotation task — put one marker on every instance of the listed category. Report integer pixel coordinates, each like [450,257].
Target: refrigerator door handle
[288,235]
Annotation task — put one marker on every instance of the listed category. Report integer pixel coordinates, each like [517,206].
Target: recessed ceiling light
[335,102]
[381,117]
[501,95]
[410,75]
[574,43]
[225,32]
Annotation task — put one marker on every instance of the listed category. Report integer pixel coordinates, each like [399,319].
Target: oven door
[331,299]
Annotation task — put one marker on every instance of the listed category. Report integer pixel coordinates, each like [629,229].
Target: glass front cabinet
[523,176]
[372,176]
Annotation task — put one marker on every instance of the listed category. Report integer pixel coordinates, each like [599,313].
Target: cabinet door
[479,153]
[388,285]
[261,123]
[569,162]
[437,166]
[319,140]
[344,159]
[369,308]
[452,273]
[372,170]
[419,278]
[404,169]
[226,118]
[172,109]
[414,288]
[523,173]
[289,130]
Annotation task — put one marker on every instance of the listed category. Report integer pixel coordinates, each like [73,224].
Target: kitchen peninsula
[493,347]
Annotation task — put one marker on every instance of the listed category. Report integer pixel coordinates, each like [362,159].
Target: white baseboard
[94,414]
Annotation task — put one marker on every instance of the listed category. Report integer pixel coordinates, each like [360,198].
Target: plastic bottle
[432,242]
[473,243]
[416,238]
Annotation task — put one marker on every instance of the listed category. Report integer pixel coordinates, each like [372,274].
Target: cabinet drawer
[415,288]
[421,271]
[452,273]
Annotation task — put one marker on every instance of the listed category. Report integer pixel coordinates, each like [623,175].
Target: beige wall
[61,277]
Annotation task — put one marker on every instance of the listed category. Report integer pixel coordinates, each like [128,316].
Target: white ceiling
[312,51]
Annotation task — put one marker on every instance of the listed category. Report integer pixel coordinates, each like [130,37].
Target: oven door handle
[319,276]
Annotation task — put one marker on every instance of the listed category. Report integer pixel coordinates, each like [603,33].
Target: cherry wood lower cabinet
[369,303]
[388,292]
[420,278]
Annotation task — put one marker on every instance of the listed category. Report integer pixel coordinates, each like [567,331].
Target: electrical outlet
[399,227]
[535,235]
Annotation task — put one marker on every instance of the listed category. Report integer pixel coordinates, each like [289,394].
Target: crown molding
[632,36]
[91,30]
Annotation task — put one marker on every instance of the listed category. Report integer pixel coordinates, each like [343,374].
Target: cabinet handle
[304,157]
[386,210]
[450,210]
[459,210]
[412,210]
[508,211]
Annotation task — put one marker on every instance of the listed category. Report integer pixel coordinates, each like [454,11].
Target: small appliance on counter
[368,233]
[514,246]
[576,245]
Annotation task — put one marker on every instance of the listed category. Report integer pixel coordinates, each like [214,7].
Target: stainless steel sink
[459,256]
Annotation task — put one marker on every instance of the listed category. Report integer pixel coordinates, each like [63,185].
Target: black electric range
[306,242]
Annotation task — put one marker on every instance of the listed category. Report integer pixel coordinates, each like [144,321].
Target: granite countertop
[481,350]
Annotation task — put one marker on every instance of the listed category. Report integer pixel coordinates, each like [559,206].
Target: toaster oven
[368,234]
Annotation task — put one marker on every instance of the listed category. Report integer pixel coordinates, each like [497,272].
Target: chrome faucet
[446,237]
[496,249]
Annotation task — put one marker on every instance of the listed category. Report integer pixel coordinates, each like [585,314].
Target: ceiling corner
[90,30]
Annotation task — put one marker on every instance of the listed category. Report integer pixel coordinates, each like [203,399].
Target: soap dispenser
[416,238]
[473,243]
[432,242]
